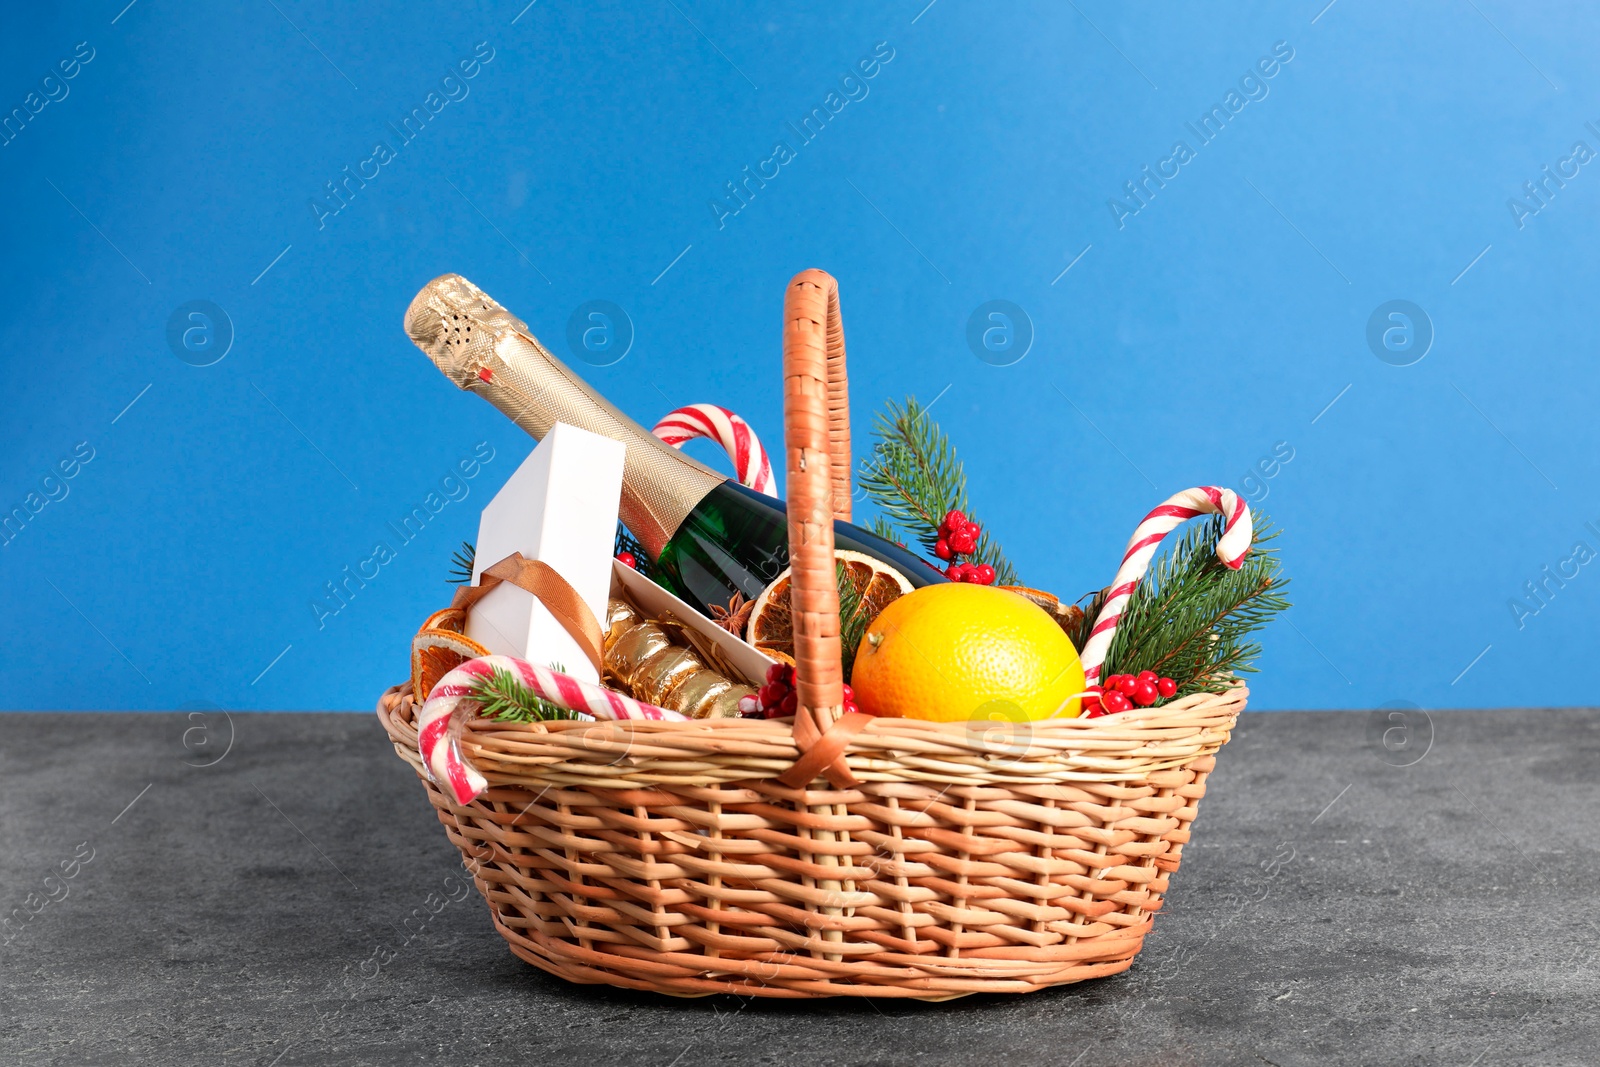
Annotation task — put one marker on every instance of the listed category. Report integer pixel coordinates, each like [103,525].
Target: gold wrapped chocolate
[642,656]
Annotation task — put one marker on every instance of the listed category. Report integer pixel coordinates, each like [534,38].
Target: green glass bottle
[736,540]
[710,536]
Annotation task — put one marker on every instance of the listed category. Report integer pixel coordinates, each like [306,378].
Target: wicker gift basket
[834,855]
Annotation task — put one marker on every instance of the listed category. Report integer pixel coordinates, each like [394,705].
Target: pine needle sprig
[1191,617]
[913,474]
[1086,621]
[504,697]
[853,619]
[461,563]
[915,478]
[989,552]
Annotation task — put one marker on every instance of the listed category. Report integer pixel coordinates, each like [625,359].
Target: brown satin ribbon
[552,590]
[825,752]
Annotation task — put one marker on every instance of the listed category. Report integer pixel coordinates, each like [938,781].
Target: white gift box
[560,507]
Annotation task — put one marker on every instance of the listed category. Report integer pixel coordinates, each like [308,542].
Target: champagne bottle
[709,536]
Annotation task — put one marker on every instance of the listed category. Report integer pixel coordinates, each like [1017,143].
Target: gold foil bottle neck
[485,349]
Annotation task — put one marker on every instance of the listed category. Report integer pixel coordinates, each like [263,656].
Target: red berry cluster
[777,698]
[627,560]
[1122,691]
[958,536]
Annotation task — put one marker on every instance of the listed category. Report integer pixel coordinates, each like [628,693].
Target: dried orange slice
[435,653]
[1068,616]
[780,656]
[771,626]
[452,619]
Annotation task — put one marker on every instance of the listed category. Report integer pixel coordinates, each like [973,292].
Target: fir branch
[912,474]
[989,552]
[1086,621]
[506,698]
[853,621]
[915,479]
[461,563]
[1191,617]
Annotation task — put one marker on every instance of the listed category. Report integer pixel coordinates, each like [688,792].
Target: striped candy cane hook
[1232,547]
[444,761]
[735,436]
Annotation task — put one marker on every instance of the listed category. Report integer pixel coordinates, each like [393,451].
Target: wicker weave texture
[971,858]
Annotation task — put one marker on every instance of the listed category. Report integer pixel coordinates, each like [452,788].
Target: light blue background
[1223,318]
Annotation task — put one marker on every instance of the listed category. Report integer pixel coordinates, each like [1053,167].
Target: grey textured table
[245,890]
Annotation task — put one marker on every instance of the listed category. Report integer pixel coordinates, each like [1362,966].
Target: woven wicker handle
[816,402]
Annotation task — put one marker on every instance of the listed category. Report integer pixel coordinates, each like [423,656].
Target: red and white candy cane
[728,430]
[445,762]
[1232,547]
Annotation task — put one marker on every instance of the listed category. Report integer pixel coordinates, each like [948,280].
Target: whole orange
[962,651]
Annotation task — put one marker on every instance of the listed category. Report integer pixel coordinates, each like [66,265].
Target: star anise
[736,616]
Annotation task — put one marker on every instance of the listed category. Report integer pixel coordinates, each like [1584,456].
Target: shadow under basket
[902,858]
[975,857]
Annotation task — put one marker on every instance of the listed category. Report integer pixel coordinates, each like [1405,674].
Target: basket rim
[636,753]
